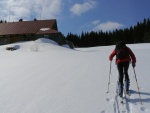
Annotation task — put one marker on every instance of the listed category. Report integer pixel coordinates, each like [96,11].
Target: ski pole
[109,77]
[137,86]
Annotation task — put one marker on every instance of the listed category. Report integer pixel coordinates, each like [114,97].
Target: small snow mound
[66,46]
[45,40]
[42,43]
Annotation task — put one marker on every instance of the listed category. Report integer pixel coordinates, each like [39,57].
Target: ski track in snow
[128,105]
[132,104]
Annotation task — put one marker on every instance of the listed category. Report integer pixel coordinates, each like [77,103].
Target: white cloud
[78,9]
[13,10]
[90,25]
[97,26]
[108,26]
[95,22]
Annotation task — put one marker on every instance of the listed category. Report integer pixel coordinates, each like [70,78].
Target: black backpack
[121,51]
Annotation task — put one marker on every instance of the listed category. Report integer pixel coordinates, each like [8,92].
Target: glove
[133,64]
[110,58]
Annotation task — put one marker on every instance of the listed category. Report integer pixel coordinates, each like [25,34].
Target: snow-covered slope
[42,77]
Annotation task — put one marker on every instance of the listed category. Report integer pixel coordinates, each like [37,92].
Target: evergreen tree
[136,34]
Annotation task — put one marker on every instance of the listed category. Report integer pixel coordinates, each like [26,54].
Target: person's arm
[112,55]
[132,57]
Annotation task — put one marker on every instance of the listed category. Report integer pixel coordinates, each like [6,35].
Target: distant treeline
[140,33]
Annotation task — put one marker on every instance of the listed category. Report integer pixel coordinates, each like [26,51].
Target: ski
[128,93]
[122,105]
[122,108]
[122,101]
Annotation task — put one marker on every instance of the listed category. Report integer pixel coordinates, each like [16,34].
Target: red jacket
[131,54]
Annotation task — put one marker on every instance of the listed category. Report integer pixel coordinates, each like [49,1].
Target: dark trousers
[123,70]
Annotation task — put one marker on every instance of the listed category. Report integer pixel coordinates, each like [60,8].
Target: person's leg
[120,71]
[127,80]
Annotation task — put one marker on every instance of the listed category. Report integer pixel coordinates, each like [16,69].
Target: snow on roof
[44,29]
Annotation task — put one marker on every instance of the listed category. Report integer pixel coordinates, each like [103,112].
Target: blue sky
[76,16]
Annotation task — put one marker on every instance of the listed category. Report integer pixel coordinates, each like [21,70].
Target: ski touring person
[124,56]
